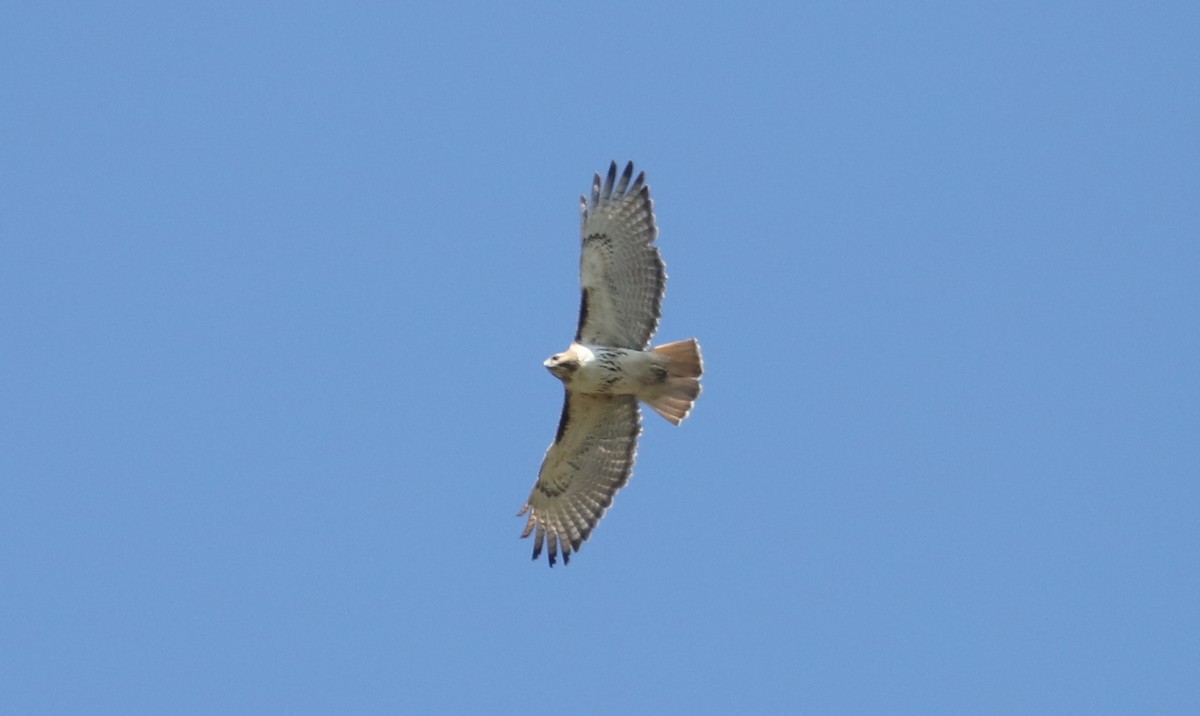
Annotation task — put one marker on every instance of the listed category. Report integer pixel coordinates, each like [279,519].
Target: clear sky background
[276,283]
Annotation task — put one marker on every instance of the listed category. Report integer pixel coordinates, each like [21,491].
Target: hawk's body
[608,369]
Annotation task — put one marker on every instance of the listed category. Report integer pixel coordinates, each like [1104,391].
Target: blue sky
[277,281]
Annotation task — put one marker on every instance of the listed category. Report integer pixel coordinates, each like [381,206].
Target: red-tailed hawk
[607,369]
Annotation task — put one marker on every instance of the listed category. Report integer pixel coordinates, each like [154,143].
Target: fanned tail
[675,398]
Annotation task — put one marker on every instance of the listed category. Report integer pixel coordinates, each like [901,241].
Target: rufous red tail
[684,367]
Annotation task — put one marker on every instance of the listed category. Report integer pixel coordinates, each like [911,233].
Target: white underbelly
[618,371]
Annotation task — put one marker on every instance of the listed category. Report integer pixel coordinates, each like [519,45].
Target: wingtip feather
[610,180]
[625,177]
[639,184]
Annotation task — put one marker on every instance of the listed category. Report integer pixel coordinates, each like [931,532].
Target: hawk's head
[563,365]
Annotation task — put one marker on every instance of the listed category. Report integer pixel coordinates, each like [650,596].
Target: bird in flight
[609,367]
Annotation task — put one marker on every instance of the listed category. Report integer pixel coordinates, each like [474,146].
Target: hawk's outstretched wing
[621,271]
[590,460]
